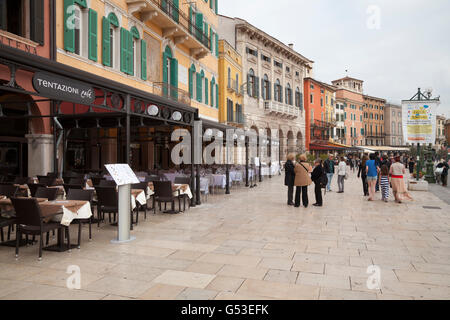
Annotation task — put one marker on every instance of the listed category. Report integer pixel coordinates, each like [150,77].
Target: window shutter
[206,90]
[217,46]
[199,26]
[106,43]
[190,19]
[143,60]
[174,78]
[248,84]
[123,50]
[211,103]
[217,4]
[92,35]
[165,71]
[191,84]
[217,96]
[199,87]
[69,33]
[256,87]
[175,14]
[130,54]
[281,94]
[270,90]
[37,21]
[211,3]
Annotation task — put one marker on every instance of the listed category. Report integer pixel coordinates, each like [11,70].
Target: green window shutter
[211,3]
[191,83]
[130,61]
[212,41]
[106,43]
[206,91]
[81,3]
[92,35]
[217,96]
[190,19]
[174,78]
[199,87]
[69,33]
[123,50]
[37,21]
[164,5]
[165,71]
[143,60]
[217,6]
[199,25]
[217,46]
[175,14]
[211,102]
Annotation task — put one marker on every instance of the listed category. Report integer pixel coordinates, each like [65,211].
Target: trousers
[303,191]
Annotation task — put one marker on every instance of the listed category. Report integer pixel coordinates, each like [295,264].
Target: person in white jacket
[342,170]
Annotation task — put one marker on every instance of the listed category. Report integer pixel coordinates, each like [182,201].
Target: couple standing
[298,175]
[329,167]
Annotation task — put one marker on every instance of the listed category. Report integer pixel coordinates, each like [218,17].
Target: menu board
[122,174]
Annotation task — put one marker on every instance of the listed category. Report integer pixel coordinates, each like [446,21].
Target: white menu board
[122,174]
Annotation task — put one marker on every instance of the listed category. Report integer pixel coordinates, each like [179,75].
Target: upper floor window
[298,98]
[24,18]
[252,52]
[252,84]
[288,94]
[266,88]
[278,91]
[277,64]
[288,70]
[229,78]
[265,58]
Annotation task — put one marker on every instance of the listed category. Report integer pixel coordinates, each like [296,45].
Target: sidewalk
[251,245]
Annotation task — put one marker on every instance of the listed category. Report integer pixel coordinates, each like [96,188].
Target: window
[393,127]
[288,94]
[252,52]
[321,101]
[229,78]
[237,83]
[288,70]
[399,114]
[277,64]
[23,18]
[297,74]
[312,86]
[252,84]
[393,114]
[278,91]
[399,128]
[266,88]
[311,98]
[265,58]
[230,111]
[298,98]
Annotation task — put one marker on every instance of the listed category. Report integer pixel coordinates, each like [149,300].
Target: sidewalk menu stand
[124,178]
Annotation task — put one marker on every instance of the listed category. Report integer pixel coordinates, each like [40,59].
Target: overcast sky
[411,48]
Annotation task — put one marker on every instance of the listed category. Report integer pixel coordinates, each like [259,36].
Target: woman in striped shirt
[384,183]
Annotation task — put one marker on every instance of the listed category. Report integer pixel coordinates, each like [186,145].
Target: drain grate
[432,208]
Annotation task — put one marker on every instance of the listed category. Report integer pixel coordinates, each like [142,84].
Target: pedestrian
[315,177]
[384,182]
[329,170]
[444,175]
[378,164]
[372,175]
[397,173]
[302,181]
[411,164]
[342,172]
[289,177]
[362,173]
[352,164]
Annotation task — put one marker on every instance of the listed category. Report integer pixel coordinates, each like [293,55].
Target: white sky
[410,50]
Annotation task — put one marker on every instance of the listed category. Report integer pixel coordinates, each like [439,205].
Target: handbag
[346,176]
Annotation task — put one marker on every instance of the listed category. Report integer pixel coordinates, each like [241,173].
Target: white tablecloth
[188,191]
[68,216]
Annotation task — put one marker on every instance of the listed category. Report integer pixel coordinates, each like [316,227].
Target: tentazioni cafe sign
[63,89]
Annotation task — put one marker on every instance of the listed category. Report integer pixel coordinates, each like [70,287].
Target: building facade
[26,144]
[273,75]
[447,132]
[166,48]
[231,93]
[440,132]
[393,125]
[373,118]
[349,107]
[319,113]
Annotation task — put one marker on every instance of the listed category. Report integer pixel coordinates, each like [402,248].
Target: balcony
[233,87]
[281,109]
[167,91]
[375,135]
[174,23]
[318,124]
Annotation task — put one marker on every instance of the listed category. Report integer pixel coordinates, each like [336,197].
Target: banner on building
[419,121]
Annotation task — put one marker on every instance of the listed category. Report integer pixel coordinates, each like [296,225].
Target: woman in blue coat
[289,169]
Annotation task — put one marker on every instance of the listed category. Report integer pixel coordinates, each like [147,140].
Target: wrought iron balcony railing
[165,90]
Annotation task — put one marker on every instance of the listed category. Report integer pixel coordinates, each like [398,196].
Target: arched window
[251,83]
[76,28]
[213,95]
[298,98]
[111,41]
[288,94]
[136,52]
[266,88]
[278,91]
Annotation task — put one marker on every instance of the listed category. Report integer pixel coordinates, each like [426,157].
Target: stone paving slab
[250,245]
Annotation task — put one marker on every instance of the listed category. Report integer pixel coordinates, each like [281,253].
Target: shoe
[306,207]
[297,206]
[290,204]
[317,205]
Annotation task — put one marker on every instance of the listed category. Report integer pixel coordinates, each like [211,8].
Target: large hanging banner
[419,121]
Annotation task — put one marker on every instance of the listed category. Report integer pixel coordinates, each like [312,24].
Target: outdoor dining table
[178,189]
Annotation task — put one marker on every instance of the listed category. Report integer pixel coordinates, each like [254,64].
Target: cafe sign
[63,89]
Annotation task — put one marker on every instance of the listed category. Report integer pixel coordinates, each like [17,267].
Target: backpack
[323,180]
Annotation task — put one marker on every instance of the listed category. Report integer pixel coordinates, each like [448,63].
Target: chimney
[291,45]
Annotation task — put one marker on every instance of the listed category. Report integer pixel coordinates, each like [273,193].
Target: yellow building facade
[230,85]
[330,99]
[165,47]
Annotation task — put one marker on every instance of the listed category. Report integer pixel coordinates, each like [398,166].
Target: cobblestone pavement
[250,245]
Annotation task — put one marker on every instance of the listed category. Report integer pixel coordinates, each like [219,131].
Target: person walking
[378,164]
[342,172]
[302,181]
[384,182]
[329,170]
[289,178]
[362,173]
[444,175]
[372,175]
[315,177]
[411,165]
[397,173]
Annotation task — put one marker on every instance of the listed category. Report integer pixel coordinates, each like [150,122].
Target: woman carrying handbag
[302,181]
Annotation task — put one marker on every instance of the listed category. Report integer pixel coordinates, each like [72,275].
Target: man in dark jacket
[289,178]
[329,170]
[315,177]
